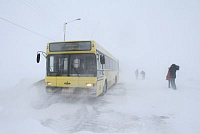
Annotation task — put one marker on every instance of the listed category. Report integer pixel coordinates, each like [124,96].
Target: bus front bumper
[71,90]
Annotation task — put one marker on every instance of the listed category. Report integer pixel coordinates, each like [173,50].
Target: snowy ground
[136,107]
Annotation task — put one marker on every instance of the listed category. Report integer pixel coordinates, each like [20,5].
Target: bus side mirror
[102,59]
[38,57]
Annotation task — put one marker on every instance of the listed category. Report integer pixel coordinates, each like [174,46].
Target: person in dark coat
[172,71]
[142,74]
[168,78]
[136,73]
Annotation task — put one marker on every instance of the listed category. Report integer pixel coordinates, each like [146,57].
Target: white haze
[142,34]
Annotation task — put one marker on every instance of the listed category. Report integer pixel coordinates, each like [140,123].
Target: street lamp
[66,24]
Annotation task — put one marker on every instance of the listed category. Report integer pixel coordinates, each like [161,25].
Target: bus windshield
[72,65]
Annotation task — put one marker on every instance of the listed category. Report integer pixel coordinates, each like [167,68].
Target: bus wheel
[105,87]
[115,79]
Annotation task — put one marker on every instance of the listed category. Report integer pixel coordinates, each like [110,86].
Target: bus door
[51,71]
[100,76]
[65,79]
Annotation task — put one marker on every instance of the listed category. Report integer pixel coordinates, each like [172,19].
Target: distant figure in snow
[172,70]
[137,74]
[142,74]
[168,78]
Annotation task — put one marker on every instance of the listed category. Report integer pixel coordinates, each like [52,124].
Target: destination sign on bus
[70,46]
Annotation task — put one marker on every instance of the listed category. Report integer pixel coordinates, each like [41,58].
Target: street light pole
[66,24]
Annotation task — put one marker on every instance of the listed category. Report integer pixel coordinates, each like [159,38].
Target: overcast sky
[144,34]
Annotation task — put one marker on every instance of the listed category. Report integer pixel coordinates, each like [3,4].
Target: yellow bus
[79,67]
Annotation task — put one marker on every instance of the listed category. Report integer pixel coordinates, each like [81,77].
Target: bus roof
[104,51]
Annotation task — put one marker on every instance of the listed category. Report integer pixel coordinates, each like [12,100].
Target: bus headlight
[48,83]
[89,85]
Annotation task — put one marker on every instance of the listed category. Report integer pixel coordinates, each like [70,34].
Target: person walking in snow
[136,73]
[142,74]
[172,70]
[168,78]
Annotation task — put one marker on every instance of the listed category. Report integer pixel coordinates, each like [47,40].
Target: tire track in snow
[97,115]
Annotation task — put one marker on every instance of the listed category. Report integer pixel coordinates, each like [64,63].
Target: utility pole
[66,24]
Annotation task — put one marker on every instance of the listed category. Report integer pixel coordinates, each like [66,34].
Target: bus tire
[105,87]
[116,80]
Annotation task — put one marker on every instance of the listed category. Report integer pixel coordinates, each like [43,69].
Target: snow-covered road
[137,107]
